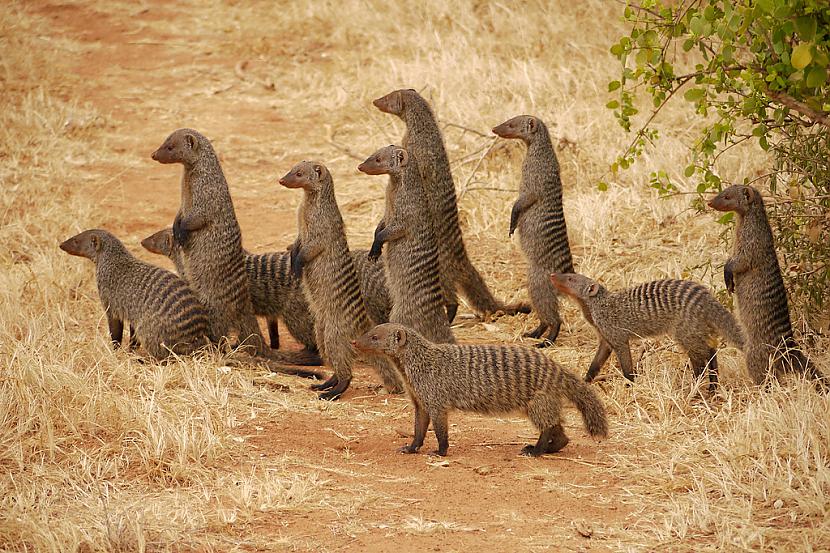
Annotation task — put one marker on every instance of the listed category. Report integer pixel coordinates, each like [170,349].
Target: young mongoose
[487,379]
[275,293]
[320,256]
[423,140]
[685,310]
[540,220]
[164,313]
[411,257]
[754,276]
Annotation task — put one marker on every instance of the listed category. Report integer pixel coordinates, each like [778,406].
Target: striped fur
[539,217]
[424,141]
[754,275]
[329,278]
[275,293]
[685,310]
[163,312]
[489,379]
[411,257]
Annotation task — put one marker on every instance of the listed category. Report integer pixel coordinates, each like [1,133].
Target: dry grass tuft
[101,452]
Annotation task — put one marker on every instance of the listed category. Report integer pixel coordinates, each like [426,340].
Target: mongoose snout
[84,244]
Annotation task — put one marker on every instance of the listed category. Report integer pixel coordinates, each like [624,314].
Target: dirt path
[148,82]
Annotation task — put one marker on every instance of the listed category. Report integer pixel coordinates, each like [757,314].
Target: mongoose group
[393,306]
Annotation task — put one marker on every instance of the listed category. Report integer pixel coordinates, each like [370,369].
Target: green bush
[757,71]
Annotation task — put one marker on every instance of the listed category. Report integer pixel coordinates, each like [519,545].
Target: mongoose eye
[299,173]
[377,160]
[374,338]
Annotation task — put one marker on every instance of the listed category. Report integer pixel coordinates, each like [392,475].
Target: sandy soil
[483,496]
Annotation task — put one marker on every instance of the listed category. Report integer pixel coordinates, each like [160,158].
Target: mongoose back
[754,275]
[208,233]
[162,310]
[540,219]
[320,256]
[488,379]
[423,140]
[685,310]
[411,257]
[276,293]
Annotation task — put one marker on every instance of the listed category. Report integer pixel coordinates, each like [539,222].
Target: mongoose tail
[588,404]
[752,273]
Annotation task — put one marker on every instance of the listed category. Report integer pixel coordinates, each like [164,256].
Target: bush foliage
[756,71]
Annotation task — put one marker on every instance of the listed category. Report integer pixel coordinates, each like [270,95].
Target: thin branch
[468,129]
[475,169]
[820,117]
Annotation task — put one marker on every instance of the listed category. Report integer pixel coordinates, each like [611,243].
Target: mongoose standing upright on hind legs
[411,257]
[753,274]
[320,256]
[540,219]
[424,141]
[208,234]
[683,309]
[483,379]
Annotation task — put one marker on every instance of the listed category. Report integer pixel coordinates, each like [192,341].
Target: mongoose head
[523,127]
[90,244]
[160,243]
[183,146]
[388,160]
[308,175]
[737,198]
[576,286]
[396,101]
[386,339]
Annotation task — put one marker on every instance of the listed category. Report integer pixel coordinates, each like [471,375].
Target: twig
[468,129]
[345,150]
[475,169]
[788,101]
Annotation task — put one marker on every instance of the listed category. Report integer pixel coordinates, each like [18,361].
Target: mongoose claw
[330,395]
[530,451]
[408,449]
[729,278]
[328,384]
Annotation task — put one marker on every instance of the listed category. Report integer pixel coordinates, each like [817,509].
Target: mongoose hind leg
[623,353]
[543,412]
[441,429]
[536,332]
[421,425]
[341,357]
[274,333]
[545,303]
[706,360]
[116,327]
[551,337]
[133,343]
[558,440]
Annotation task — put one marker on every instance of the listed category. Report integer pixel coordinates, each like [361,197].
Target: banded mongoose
[320,256]
[423,140]
[754,276]
[540,219]
[208,234]
[276,293]
[163,312]
[685,310]
[411,257]
[488,379]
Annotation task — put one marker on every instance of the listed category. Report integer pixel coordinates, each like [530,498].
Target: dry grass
[99,451]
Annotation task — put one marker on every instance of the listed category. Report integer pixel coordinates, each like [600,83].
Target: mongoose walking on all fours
[540,219]
[163,312]
[275,293]
[208,234]
[753,274]
[484,379]
[685,310]
[320,256]
[424,142]
[411,256]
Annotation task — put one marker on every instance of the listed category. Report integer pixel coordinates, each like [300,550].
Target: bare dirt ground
[484,496]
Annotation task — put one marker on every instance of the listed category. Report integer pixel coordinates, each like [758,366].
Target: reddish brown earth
[142,81]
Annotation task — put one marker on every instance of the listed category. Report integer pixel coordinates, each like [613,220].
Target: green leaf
[688,44]
[726,217]
[701,188]
[694,94]
[766,5]
[613,85]
[801,55]
[816,77]
[690,170]
[697,25]
[806,27]
[603,186]
[613,104]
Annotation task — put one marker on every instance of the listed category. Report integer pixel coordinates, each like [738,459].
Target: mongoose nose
[710,202]
[155,155]
[282,181]
[354,343]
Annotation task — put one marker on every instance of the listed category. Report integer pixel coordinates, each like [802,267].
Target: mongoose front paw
[375,252]
[330,395]
[180,233]
[530,451]
[296,265]
[408,449]
[729,279]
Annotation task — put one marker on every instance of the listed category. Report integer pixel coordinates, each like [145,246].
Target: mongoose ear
[748,194]
[191,141]
[319,170]
[96,243]
[531,124]
[593,289]
[400,337]
[402,157]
